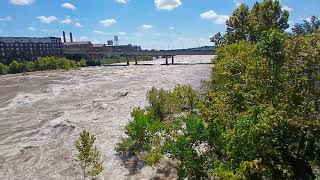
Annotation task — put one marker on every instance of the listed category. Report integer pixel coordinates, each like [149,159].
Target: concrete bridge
[154,53]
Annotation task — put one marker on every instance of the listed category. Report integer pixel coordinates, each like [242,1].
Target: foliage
[15,67]
[164,104]
[307,26]
[259,113]
[121,59]
[41,64]
[218,39]
[238,25]
[82,63]
[3,69]
[245,24]
[89,156]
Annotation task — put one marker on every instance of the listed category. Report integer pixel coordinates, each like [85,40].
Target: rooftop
[77,43]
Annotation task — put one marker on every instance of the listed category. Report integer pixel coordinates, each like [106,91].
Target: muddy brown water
[42,114]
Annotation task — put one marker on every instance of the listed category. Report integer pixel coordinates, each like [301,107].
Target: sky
[153,24]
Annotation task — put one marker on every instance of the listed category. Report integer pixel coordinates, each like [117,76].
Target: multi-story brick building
[29,48]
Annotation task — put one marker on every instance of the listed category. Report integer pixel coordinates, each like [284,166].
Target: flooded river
[42,114]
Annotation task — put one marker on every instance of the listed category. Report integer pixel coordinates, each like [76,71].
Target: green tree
[218,39]
[267,15]
[238,25]
[248,25]
[3,69]
[89,156]
[307,26]
[15,67]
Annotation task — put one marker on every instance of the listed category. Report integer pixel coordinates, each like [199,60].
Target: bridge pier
[127,60]
[172,59]
[167,60]
[135,60]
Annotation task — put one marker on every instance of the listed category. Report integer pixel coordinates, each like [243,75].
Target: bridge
[133,53]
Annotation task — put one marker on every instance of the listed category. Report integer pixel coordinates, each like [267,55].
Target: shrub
[89,156]
[30,66]
[3,69]
[15,67]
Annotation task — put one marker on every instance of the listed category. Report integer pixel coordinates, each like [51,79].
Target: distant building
[29,48]
[110,43]
[80,46]
[99,47]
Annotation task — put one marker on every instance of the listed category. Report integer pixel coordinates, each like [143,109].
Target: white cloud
[146,26]
[121,33]
[7,18]
[122,1]
[77,24]
[238,2]
[21,2]
[32,29]
[107,22]
[216,18]
[83,38]
[99,32]
[286,8]
[69,6]
[171,28]
[47,20]
[167,4]
[67,20]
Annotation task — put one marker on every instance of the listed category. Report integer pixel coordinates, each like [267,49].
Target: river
[42,114]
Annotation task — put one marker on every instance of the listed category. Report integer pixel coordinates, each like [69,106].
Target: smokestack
[64,36]
[71,40]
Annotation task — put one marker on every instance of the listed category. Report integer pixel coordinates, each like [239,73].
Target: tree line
[258,116]
[41,64]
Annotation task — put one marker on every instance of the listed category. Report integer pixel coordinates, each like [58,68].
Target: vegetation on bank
[123,59]
[258,117]
[41,64]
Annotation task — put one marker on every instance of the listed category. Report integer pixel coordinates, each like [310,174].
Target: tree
[238,25]
[218,39]
[267,15]
[248,25]
[307,26]
[89,156]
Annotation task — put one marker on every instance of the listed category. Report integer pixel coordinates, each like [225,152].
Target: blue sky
[159,24]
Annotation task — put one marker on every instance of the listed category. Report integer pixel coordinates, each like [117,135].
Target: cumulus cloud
[69,6]
[146,26]
[7,18]
[21,2]
[107,22]
[67,20]
[167,4]
[286,8]
[77,24]
[32,29]
[215,17]
[47,20]
[122,1]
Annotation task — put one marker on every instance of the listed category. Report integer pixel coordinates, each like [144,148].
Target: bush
[3,69]
[41,64]
[15,67]
[30,66]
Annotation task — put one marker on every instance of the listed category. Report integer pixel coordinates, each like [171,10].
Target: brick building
[29,48]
